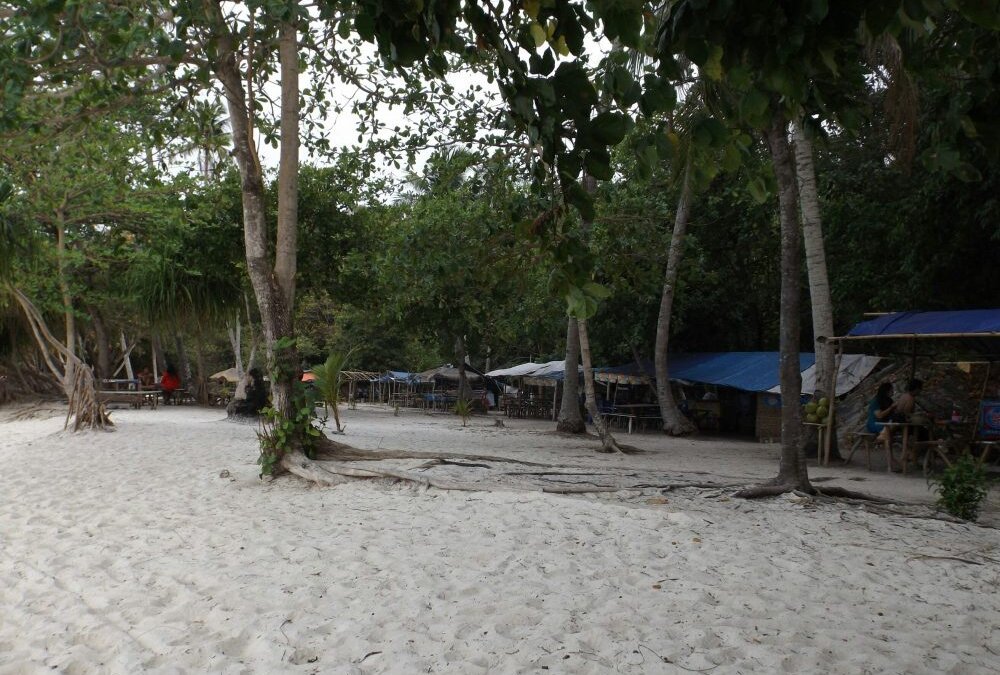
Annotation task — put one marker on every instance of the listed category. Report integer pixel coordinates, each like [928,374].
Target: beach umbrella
[229,375]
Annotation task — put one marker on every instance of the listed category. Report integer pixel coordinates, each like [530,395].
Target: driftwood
[77,378]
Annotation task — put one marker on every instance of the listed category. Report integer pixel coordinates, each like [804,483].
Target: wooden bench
[135,399]
[865,439]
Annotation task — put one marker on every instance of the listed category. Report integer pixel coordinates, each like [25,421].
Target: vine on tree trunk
[284,431]
[280,434]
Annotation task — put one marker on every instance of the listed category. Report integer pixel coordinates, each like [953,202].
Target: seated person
[146,380]
[880,411]
[907,403]
[907,410]
[169,383]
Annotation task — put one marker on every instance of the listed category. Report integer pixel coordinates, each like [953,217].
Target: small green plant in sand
[328,381]
[463,408]
[962,488]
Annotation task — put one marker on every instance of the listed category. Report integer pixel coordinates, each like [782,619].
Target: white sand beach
[157,549]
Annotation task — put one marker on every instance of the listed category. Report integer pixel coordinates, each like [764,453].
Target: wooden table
[135,399]
[633,412]
[822,450]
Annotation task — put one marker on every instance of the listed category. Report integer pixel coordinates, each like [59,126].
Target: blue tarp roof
[398,375]
[749,371]
[930,323]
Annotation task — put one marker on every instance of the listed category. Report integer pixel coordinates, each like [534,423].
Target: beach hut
[958,352]
[736,392]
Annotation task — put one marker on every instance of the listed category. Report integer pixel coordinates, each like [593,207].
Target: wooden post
[833,407]
[555,399]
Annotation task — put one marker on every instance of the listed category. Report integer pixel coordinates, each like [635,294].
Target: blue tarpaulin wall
[931,323]
[749,371]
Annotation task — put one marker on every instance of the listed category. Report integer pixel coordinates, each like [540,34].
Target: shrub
[962,487]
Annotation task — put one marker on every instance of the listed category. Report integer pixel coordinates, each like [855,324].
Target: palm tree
[328,381]
[211,140]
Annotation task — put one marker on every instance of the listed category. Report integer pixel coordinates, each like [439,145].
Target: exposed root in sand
[336,463]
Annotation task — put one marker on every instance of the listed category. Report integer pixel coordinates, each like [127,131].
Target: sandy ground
[157,549]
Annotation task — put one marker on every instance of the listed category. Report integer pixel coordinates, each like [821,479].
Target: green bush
[962,487]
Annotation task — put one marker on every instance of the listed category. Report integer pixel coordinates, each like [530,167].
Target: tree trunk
[464,390]
[103,346]
[274,287]
[608,443]
[201,378]
[819,282]
[570,419]
[67,297]
[674,422]
[159,358]
[792,472]
[235,330]
[182,362]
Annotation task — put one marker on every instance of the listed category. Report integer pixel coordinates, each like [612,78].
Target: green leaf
[365,25]
[817,10]
[758,190]
[713,64]
[538,34]
[596,290]
[659,95]
[610,127]
[581,199]
[598,165]
[753,107]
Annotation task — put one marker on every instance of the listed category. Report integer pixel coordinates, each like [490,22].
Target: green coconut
[811,408]
[811,417]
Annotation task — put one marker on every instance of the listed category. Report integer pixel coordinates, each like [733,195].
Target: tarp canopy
[229,375]
[515,371]
[534,373]
[749,371]
[446,372]
[929,324]
[969,331]
[397,376]
[853,369]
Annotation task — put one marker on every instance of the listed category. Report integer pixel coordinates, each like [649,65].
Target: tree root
[833,492]
[769,490]
[335,451]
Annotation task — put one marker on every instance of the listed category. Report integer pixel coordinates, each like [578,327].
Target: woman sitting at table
[169,383]
[880,411]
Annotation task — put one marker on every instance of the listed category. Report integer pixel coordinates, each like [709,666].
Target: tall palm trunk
[608,443]
[819,282]
[792,471]
[183,363]
[570,419]
[464,390]
[674,422]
